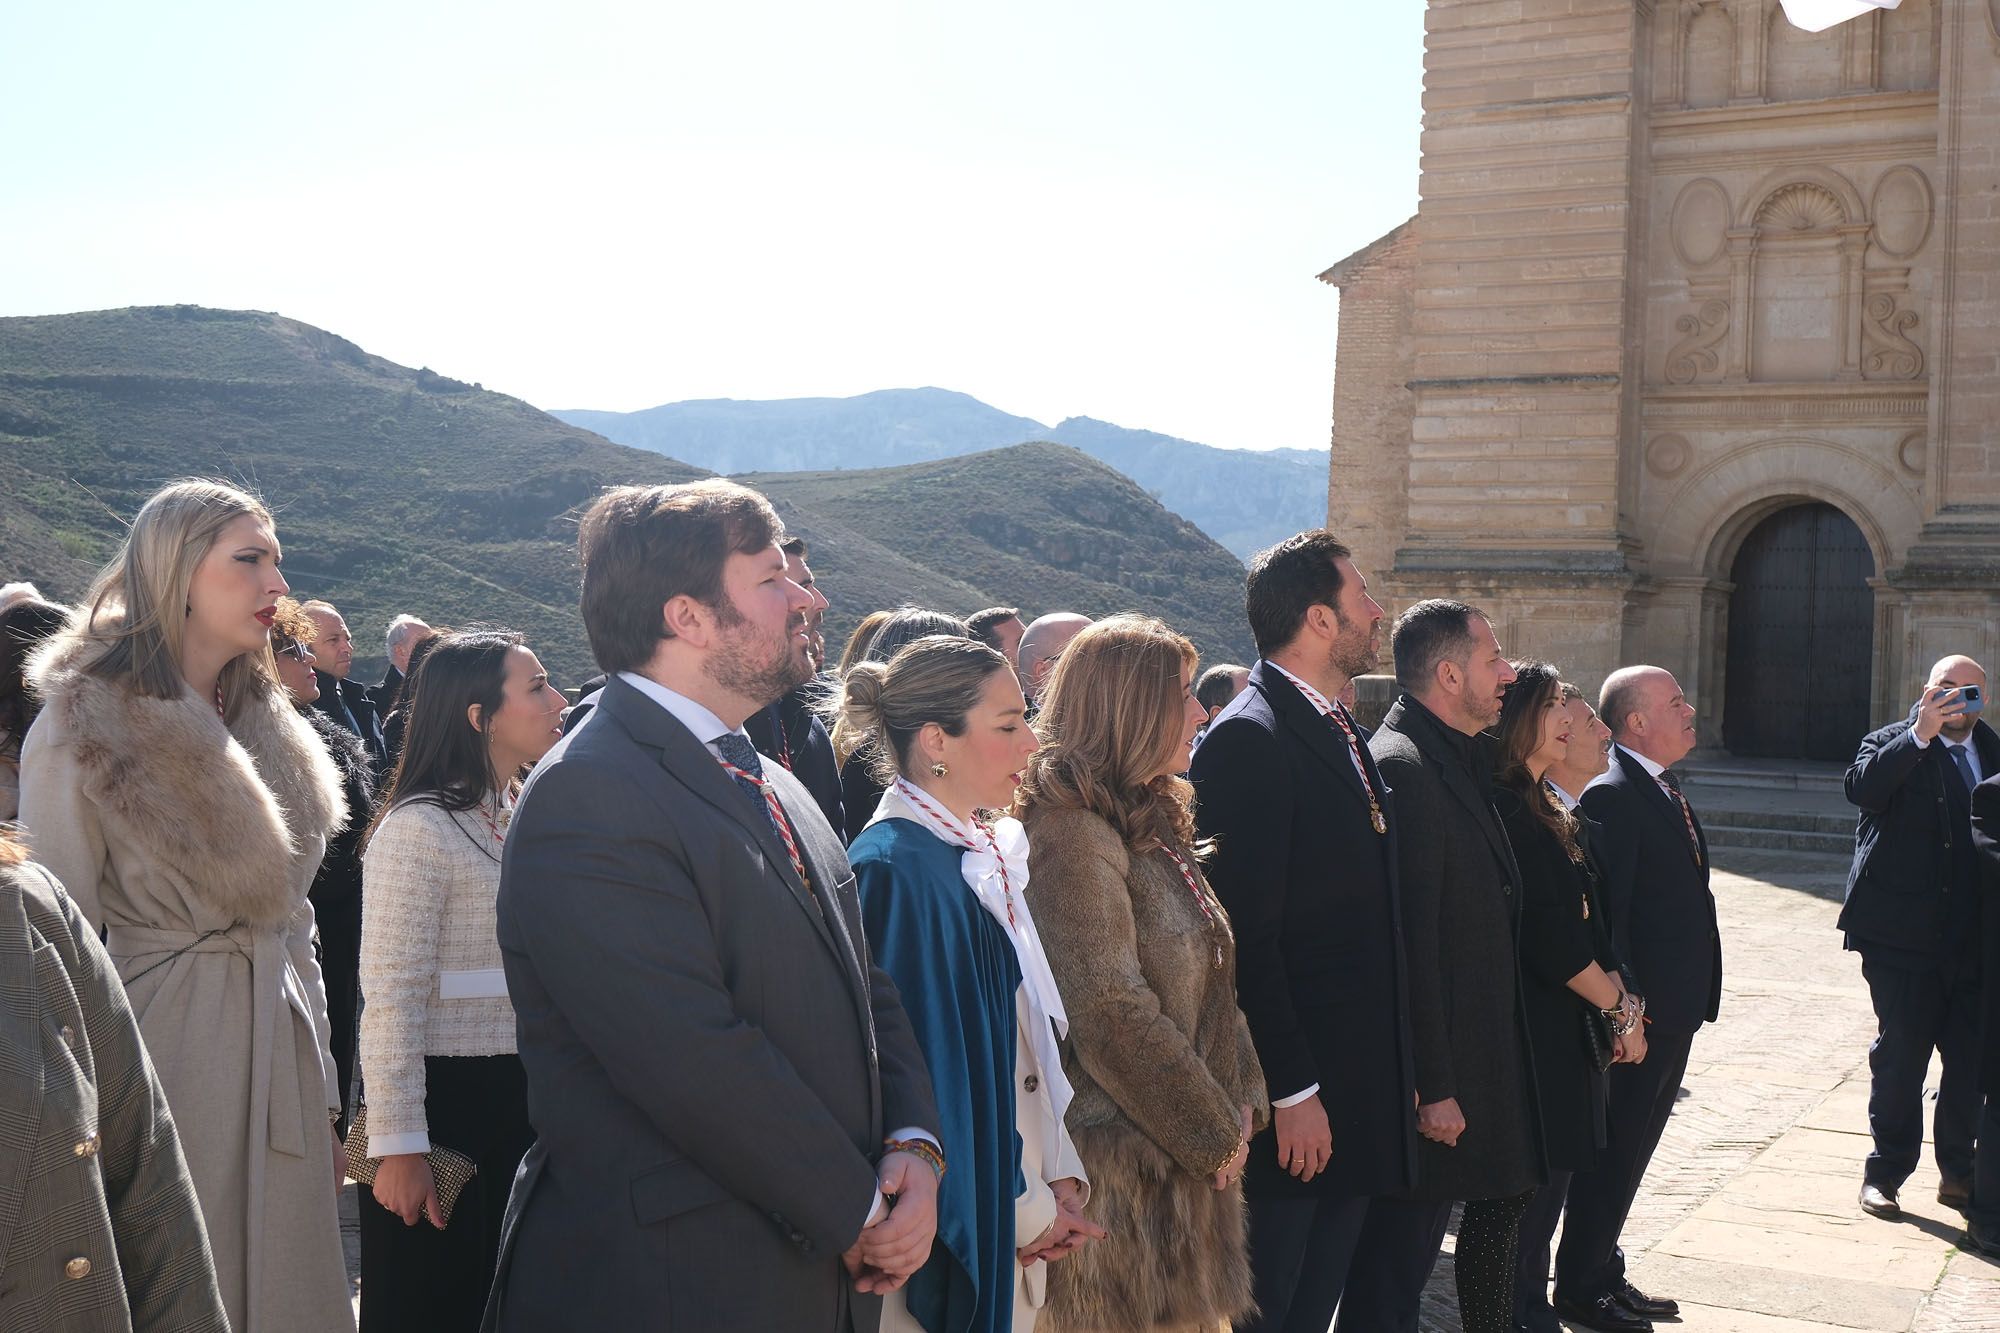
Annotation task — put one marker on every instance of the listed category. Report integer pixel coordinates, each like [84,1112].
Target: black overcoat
[1311,892]
[1461,907]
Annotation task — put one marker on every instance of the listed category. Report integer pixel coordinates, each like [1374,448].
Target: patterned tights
[1488,1235]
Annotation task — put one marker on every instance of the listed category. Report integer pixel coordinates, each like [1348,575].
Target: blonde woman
[941,887]
[172,787]
[1167,1085]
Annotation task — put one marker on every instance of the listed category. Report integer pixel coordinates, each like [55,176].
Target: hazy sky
[1095,208]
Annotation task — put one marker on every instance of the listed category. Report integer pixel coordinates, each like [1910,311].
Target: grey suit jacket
[99,1228]
[712,1060]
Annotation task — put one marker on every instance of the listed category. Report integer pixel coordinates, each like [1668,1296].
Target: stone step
[1778,839]
[1716,808]
[1765,777]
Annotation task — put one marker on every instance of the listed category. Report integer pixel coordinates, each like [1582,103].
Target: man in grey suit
[711,1057]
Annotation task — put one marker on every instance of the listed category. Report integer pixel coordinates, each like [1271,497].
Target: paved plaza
[1748,1216]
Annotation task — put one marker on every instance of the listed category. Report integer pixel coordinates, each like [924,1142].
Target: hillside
[397,489]
[1243,498]
[1072,533]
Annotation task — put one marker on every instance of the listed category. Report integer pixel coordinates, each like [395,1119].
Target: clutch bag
[1597,1042]
[450,1171]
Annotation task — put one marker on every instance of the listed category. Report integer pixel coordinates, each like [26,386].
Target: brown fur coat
[1161,1062]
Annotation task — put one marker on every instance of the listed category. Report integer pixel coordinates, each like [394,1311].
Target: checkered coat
[99,1228]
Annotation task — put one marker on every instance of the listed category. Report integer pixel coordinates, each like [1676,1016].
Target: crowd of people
[1006,974]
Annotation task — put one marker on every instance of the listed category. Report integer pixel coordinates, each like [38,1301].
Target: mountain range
[1245,499]
[399,489]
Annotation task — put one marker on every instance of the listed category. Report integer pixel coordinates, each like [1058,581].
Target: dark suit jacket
[1462,907]
[1311,892]
[1986,838]
[1656,897]
[347,703]
[700,1041]
[385,696]
[792,733]
[1913,890]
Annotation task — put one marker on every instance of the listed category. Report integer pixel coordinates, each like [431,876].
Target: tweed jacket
[192,843]
[99,1228]
[431,979]
[1161,1063]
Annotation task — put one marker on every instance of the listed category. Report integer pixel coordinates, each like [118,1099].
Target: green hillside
[403,490]
[1061,530]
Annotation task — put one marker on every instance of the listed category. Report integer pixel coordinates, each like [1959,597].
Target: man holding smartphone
[1912,913]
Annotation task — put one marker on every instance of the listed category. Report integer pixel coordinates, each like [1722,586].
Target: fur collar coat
[193,845]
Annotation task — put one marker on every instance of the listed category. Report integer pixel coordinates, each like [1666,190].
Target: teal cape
[956,970]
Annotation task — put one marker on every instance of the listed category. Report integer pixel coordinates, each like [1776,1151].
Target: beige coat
[193,847]
[1161,1062]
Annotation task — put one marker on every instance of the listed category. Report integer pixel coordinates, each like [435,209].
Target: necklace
[219,710]
[1200,899]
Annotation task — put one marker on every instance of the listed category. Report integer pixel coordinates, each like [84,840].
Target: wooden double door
[1799,667]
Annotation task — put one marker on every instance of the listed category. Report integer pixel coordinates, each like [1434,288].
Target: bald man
[1912,913]
[1041,645]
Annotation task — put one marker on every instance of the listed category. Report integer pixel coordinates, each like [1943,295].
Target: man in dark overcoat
[1305,862]
[1912,913]
[1481,1136]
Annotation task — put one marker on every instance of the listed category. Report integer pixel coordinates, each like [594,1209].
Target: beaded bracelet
[919,1148]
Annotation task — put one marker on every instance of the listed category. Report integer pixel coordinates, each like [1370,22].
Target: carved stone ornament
[1887,354]
[1695,355]
[1901,210]
[1910,453]
[1699,223]
[1801,206]
[1668,455]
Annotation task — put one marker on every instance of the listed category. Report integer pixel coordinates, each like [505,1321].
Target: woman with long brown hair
[174,790]
[1167,1087]
[1571,989]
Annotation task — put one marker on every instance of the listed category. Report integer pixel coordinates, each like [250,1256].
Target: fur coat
[1161,1062]
[193,846]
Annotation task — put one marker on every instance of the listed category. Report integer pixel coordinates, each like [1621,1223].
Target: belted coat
[192,844]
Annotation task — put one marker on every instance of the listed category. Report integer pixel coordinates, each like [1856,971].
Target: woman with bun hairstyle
[173,789]
[1168,1086]
[941,890]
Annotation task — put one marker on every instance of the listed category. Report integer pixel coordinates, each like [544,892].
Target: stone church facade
[1691,353]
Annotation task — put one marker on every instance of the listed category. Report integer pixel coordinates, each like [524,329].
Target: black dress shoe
[1879,1202]
[1978,1238]
[1639,1303]
[1606,1314]
[1955,1194]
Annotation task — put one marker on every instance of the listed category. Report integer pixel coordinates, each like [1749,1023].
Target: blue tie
[1964,767]
[737,749]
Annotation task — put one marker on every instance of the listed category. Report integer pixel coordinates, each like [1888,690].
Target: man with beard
[1480,1133]
[1305,862]
[1661,916]
[788,729]
[734,1126]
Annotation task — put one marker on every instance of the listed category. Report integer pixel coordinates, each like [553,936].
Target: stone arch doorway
[1798,675]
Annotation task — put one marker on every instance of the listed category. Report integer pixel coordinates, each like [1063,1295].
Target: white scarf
[981,865]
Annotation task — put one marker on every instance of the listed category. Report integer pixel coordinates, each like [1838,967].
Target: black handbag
[1598,1039]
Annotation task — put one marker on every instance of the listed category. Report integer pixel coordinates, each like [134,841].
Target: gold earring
[939,770]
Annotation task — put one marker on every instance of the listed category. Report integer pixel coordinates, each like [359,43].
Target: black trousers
[1986,1170]
[1589,1262]
[1300,1250]
[1531,1270]
[339,926]
[421,1280]
[1917,1011]
[1392,1262]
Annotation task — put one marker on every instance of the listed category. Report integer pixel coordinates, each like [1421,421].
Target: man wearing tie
[1912,913]
[1661,915]
[734,1126]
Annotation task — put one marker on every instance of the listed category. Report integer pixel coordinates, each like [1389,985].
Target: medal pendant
[1381,824]
[1586,909]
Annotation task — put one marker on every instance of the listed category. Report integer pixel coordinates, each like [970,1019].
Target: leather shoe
[1605,1314]
[1639,1303]
[1977,1238]
[1879,1202]
[1955,1194]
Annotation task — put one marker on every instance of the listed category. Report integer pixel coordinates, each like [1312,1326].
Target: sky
[1108,209]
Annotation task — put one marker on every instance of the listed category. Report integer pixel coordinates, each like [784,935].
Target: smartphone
[1969,696]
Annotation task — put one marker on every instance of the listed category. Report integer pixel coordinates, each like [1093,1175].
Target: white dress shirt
[1570,803]
[708,728]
